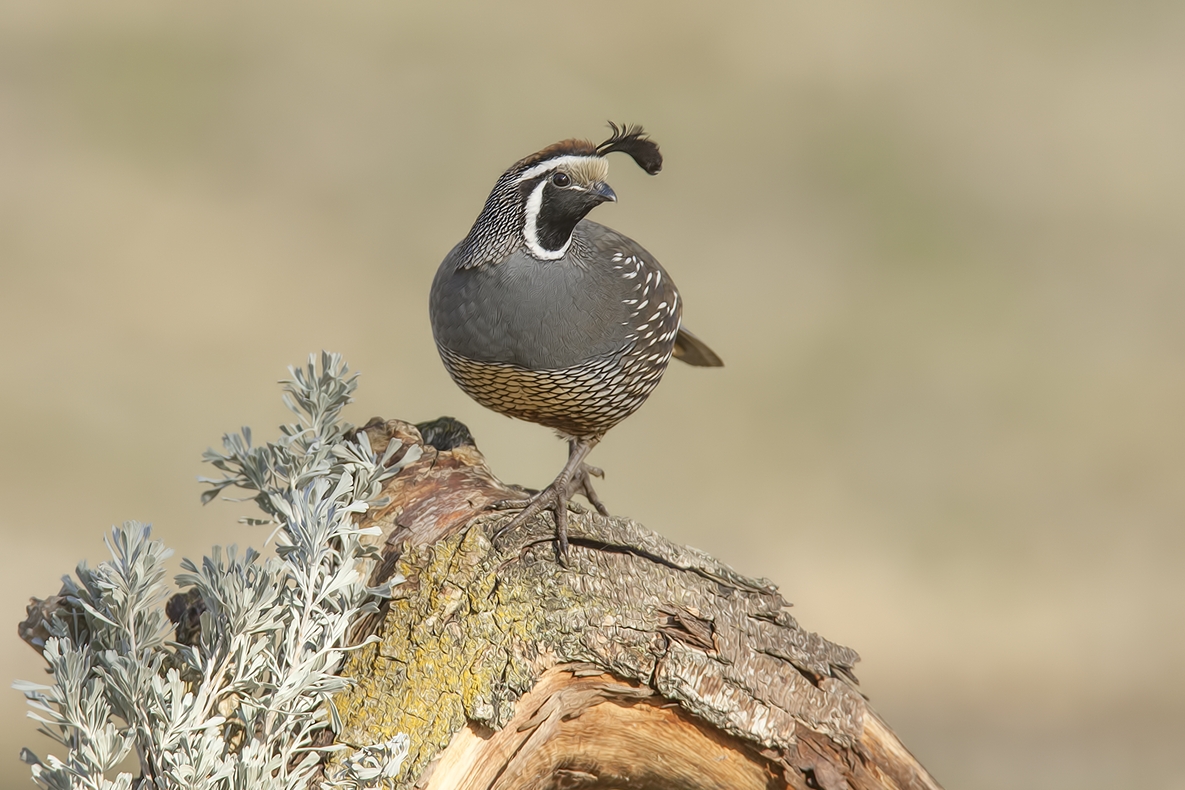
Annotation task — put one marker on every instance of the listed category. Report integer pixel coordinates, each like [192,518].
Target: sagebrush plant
[240,707]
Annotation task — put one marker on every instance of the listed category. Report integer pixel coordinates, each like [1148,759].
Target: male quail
[545,316]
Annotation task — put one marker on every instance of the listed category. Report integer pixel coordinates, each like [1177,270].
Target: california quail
[545,316]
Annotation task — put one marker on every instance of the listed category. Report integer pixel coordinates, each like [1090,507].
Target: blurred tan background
[940,249]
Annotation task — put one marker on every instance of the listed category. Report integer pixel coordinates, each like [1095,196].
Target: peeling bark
[642,663]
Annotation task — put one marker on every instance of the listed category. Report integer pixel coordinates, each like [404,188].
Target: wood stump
[641,664]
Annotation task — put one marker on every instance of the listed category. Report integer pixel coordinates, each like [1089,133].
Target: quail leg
[573,478]
[582,484]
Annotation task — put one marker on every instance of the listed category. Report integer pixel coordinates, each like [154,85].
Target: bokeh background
[940,247]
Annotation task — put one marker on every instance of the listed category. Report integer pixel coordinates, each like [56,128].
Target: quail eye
[561,179]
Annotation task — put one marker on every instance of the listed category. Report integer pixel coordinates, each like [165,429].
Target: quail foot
[543,315]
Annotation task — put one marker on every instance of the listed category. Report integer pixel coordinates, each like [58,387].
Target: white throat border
[531,228]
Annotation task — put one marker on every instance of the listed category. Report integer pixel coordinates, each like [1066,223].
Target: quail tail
[574,478]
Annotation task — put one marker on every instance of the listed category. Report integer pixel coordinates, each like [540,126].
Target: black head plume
[632,140]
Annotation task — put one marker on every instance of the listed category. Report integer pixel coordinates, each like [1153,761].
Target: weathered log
[641,663]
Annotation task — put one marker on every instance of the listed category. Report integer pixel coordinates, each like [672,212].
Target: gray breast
[607,296]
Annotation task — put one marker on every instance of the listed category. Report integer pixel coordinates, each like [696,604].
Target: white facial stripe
[531,227]
[552,164]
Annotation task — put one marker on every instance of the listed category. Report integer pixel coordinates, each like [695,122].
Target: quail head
[543,315]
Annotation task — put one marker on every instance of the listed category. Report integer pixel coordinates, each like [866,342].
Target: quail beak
[602,192]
